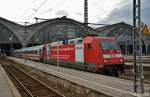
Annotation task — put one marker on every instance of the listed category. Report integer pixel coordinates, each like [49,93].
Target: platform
[5,90]
[111,86]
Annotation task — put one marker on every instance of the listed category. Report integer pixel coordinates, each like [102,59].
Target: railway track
[129,75]
[96,77]
[129,69]
[28,86]
[145,59]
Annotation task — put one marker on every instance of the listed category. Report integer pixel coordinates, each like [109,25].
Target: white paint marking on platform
[115,81]
[60,73]
[99,84]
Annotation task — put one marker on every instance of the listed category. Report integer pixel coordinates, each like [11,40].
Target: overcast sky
[100,11]
[124,13]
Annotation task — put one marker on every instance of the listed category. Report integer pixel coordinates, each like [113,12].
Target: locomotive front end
[112,56]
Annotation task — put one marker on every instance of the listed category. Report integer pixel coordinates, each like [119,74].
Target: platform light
[11,40]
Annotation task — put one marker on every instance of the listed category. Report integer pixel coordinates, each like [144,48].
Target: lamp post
[11,39]
[37,39]
[25,33]
[126,44]
[126,49]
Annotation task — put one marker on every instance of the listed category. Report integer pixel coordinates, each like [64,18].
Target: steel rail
[15,78]
[41,83]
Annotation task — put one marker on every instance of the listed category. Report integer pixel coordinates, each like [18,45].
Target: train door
[41,54]
[48,53]
[44,53]
[79,52]
[89,53]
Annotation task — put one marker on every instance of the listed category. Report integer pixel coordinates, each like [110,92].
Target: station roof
[105,30]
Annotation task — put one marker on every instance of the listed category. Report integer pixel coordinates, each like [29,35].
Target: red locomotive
[94,54]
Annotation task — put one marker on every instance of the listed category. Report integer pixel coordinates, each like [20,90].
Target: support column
[85,17]
[137,48]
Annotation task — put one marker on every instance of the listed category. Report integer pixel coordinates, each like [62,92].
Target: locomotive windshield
[109,45]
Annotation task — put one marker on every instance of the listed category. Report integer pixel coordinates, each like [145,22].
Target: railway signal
[146,30]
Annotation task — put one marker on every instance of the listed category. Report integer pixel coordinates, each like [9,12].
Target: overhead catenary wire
[55,6]
[33,1]
[127,14]
[37,9]
[27,9]
[130,13]
[107,12]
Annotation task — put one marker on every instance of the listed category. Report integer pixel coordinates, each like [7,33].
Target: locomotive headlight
[118,55]
[121,60]
[105,61]
[106,55]
[101,66]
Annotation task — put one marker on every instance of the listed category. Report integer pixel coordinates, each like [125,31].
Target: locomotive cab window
[109,46]
[89,46]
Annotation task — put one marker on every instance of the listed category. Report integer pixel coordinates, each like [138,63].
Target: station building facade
[124,35]
[13,35]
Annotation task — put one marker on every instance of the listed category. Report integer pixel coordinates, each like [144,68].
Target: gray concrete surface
[4,87]
[108,85]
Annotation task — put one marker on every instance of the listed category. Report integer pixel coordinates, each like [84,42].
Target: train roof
[69,41]
[30,48]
